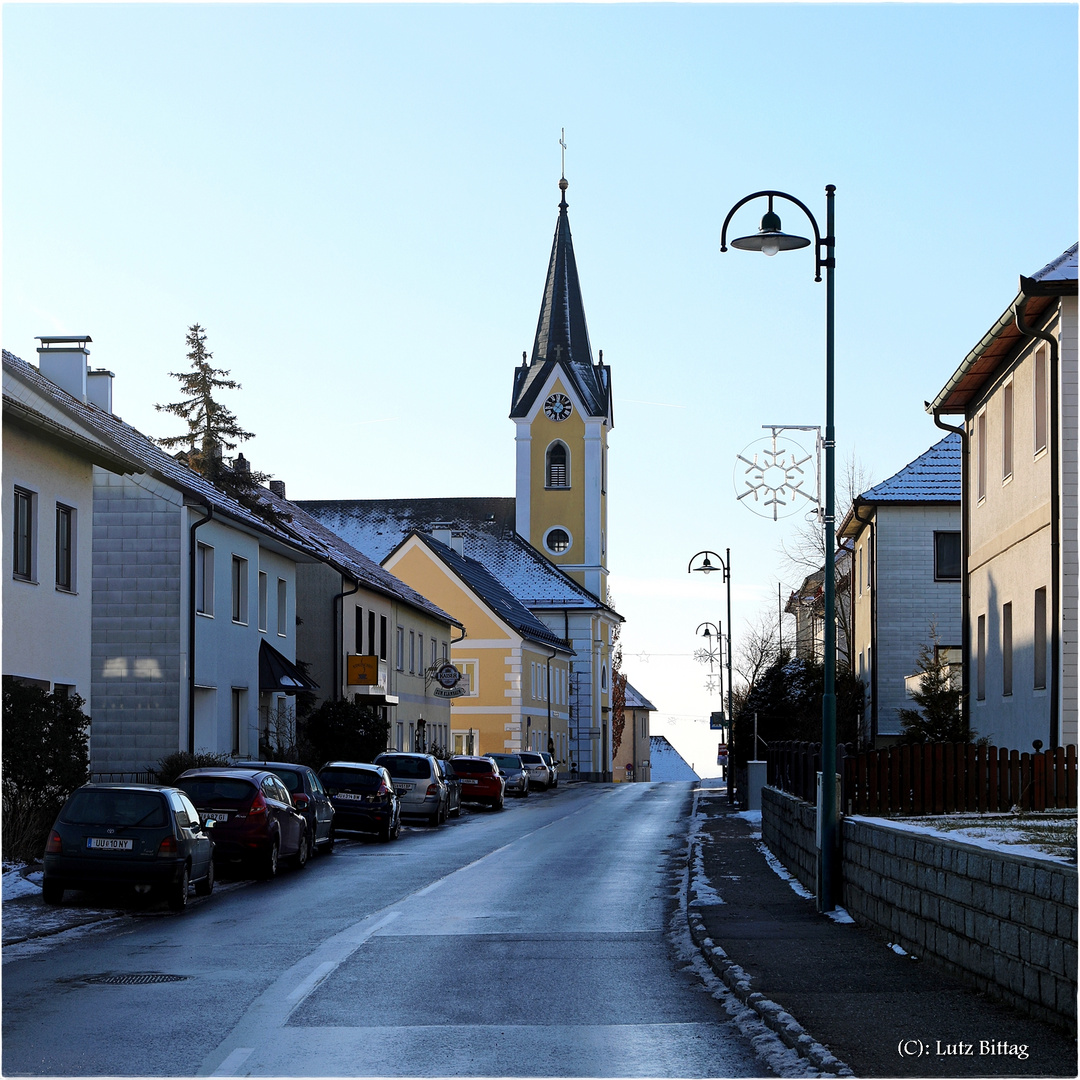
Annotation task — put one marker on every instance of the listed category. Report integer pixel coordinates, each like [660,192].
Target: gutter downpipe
[191,624]
[965,580]
[1055,509]
[337,614]
[872,522]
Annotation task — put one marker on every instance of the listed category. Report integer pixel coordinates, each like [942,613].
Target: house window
[947,556]
[23,546]
[1040,639]
[204,579]
[1006,431]
[980,455]
[238,711]
[65,548]
[980,660]
[1006,650]
[371,633]
[239,590]
[412,652]
[401,648]
[558,475]
[1040,403]
[282,607]
[382,637]
[434,652]
[264,600]
[359,630]
[557,541]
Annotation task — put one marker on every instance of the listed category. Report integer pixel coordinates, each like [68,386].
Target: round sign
[448,676]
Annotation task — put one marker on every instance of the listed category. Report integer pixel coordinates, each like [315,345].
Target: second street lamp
[769,240]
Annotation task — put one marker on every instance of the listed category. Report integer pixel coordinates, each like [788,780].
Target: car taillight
[258,806]
[433,789]
[383,789]
[54,845]
[168,847]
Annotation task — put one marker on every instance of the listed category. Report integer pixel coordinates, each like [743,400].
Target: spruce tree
[213,429]
[941,718]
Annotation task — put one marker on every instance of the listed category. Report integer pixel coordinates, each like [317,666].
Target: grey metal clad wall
[136,630]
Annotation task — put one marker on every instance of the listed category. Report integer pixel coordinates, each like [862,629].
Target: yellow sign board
[362,670]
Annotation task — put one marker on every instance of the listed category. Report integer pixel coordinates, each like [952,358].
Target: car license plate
[107,843]
[348,796]
[466,780]
[403,789]
[217,817]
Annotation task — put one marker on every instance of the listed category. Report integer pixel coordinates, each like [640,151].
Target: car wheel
[397,827]
[206,886]
[498,804]
[178,891]
[435,819]
[525,793]
[457,810]
[269,866]
[52,892]
[386,833]
[303,853]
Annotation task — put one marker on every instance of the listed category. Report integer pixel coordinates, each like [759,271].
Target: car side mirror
[300,802]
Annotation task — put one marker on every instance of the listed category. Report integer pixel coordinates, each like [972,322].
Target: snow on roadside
[15,884]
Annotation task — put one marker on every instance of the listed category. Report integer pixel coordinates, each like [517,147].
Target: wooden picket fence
[933,778]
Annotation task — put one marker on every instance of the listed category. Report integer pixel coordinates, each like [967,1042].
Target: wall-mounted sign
[716,721]
[362,670]
[451,681]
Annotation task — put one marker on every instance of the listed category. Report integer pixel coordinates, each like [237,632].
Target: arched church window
[603,677]
[558,473]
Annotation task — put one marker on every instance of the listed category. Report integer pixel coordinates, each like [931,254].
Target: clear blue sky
[358,201]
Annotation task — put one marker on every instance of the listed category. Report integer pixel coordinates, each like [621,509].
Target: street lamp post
[706,566]
[770,239]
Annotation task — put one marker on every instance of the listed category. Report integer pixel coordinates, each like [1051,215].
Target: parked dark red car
[254,820]
[480,780]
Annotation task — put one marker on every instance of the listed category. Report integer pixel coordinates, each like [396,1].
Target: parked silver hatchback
[537,768]
[418,784]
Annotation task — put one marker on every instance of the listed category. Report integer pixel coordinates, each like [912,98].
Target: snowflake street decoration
[712,684]
[769,475]
[707,656]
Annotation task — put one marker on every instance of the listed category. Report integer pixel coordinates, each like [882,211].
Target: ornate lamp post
[707,566]
[769,240]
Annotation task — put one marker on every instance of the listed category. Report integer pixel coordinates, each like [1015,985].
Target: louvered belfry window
[557,476]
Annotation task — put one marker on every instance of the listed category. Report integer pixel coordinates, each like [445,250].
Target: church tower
[562,409]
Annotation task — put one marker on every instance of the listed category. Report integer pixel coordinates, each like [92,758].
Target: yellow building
[514,694]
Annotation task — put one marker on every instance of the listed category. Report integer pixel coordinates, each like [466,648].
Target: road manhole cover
[134,978]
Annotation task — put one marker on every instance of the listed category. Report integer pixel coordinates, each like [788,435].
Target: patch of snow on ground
[753,816]
[781,872]
[840,915]
[898,949]
[14,884]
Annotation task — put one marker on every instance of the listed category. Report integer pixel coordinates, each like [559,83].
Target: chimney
[445,534]
[99,388]
[278,488]
[62,360]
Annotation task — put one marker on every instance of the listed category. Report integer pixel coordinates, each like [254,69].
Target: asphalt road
[528,943]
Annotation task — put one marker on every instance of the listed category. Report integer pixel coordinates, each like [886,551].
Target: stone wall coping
[1018,853]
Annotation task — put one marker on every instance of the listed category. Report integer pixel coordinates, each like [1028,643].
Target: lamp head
[770,238]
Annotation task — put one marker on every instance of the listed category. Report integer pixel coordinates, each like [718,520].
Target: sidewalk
[829,986]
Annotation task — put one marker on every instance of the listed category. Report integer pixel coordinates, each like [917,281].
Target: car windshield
[350,779]
[506,761]
[124,808]
[473,768]
[217,790]
[405,767]
[292,780]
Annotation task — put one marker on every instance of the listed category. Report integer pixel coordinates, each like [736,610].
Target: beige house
[1016,395]
[632,758]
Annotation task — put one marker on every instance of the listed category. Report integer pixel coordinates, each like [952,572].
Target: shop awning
[279,675]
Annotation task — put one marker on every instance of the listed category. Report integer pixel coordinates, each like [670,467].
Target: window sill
[67,592]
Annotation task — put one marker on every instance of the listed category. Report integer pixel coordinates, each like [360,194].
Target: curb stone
[791,1032]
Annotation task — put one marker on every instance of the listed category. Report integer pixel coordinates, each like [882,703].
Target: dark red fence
[932,778]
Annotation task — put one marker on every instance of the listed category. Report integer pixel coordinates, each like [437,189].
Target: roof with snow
[666,763]
[636,700]
[496,596]
[378,526]
[1038,295]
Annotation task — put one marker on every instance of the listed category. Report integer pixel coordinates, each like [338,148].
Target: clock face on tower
[558,407]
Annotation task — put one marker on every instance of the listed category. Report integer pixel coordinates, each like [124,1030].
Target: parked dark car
[308,797]
[418,784]
[364,798]
[453,788]
[513,771]
[255,822]
[480,779]
[139,835]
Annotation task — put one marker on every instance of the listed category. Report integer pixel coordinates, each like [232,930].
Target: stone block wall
[1005,923]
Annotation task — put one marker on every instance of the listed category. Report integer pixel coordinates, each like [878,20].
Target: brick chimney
[278,488]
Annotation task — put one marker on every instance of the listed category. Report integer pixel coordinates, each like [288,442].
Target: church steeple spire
[561,331]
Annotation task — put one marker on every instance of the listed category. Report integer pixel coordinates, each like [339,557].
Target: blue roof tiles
[931,477]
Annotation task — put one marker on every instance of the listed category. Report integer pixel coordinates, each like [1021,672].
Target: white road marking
[233,1062]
